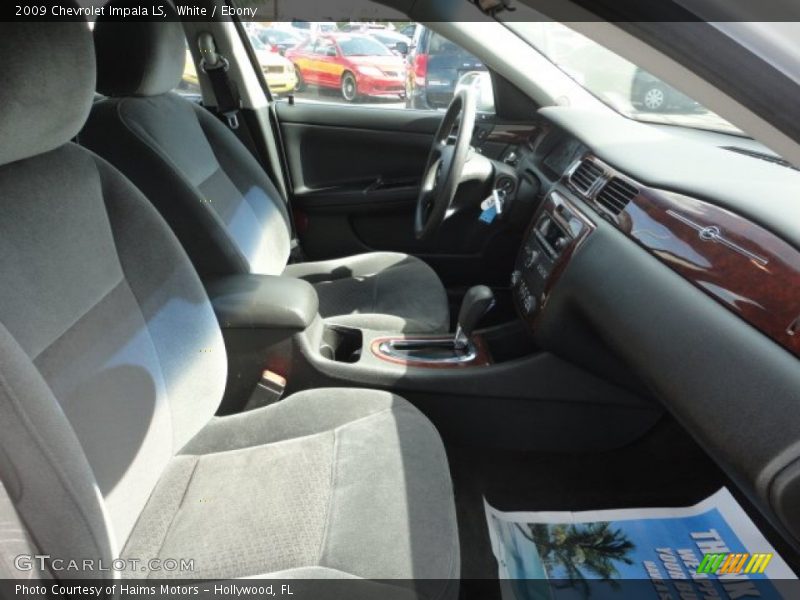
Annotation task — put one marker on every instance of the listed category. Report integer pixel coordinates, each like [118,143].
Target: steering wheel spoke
[445,164]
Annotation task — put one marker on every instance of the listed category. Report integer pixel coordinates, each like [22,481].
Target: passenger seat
[112,366]
[218,199]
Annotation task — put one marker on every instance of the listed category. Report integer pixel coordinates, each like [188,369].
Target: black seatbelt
[229,102]
[229,105]
[216,66]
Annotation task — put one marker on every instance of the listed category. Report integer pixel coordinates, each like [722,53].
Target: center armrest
[263,302]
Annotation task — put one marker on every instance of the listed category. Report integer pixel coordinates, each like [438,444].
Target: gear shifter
[435,351]
[477,302]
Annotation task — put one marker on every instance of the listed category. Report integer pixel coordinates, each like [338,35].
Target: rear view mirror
[402,48]
[330,52]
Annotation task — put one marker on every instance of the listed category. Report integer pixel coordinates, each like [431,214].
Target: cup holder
[342,344]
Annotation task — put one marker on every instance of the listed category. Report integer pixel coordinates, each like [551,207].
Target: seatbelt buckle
[269,390]
[232,118]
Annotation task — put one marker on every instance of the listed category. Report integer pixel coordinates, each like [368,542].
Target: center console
[271,326]
[460,350]
[261,316]
[557,231]
[493,386]
[431,352]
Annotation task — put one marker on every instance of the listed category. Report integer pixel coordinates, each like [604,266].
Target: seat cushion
[384,291]
[349,481]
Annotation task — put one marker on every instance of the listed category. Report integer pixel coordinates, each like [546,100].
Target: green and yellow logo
[729,563]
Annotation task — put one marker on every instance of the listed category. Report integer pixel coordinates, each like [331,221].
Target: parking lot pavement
[324,96]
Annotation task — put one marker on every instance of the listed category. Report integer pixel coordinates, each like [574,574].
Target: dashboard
[745,267]
[680,258]
[749,270]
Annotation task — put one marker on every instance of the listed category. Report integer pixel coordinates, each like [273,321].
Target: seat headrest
[47,87]
[139,58]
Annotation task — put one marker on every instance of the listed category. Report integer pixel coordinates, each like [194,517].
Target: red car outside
[357,65]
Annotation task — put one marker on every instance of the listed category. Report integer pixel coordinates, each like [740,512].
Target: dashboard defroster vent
[616,195]
[586,176]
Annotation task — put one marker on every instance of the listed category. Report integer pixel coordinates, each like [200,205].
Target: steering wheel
[445,164]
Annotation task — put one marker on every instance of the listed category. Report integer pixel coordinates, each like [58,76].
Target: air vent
[586,176]
[616,195]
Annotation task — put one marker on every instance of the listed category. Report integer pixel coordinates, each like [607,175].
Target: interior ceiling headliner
[635,10]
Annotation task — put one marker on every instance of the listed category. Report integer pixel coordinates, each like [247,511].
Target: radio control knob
[530,304]
[533,256]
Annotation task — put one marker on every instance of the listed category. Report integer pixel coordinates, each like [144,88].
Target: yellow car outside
[279,72]
[189,81]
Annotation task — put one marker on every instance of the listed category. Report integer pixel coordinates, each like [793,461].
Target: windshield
[363,46]
[257,43]
[615,81]
[384,39]
[282,36]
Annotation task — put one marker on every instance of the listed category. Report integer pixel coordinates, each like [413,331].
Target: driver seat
[221,204]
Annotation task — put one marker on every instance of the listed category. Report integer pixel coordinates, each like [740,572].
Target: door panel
[338,149]
[355,174]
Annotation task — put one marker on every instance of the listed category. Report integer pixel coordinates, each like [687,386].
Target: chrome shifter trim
[394,349]
[460,341]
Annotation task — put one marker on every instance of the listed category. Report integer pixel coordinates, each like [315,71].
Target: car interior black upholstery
[176,379]
[222,205]
[113,366]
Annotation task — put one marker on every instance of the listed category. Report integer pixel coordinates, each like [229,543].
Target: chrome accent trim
[794,327]
[461,341]
[391,349]
[712,233]
[597,185]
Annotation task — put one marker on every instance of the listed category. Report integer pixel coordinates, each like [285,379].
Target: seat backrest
[214,194]
[111,357]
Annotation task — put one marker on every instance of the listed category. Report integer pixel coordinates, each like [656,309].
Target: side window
[390,65]
[324,47]
[277,36]
[189,84]
[440,68]
[439,45]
